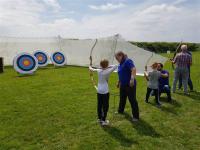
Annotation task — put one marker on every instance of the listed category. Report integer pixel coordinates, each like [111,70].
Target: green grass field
[55,109]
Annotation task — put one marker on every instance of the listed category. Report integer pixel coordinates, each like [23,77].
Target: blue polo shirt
[124,72]
[163,81]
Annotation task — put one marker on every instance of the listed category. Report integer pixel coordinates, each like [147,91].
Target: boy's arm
[111,68]
[92,69]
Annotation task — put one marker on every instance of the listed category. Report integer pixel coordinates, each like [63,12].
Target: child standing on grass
[153,83]
[102,89]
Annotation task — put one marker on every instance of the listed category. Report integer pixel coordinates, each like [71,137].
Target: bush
[163,47]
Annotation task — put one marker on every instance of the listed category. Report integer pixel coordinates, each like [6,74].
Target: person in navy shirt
[127,84]
[164,82]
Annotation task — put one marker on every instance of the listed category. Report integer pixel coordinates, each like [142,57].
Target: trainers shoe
[105,123]
[158,105]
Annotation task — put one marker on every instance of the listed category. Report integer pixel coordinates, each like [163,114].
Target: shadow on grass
[193,95]
[25,75]
[169,109]
[143,127]
[118,135]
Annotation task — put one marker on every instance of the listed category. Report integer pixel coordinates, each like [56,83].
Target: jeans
[102,105]
[130,92]
[181,73]
[190,84]
[155,92]
[166,89]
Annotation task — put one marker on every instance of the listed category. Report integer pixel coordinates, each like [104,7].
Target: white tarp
[78,51]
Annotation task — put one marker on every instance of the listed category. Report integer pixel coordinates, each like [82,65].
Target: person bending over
[153,83]
[164,86]
[102,89]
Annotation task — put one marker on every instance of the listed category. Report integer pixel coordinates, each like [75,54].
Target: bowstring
[177,49]
[149,59]
[91,73]
[114,47]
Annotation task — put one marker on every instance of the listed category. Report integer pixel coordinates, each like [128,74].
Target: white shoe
[105,123]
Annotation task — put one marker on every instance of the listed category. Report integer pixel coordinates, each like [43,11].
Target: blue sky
[138,20]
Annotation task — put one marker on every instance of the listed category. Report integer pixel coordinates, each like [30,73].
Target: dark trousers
[102,105]
[130,92]
[166,89]
[149,90]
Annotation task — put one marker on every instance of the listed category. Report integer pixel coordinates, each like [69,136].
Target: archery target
[25,63]
[58,59]
[42,58]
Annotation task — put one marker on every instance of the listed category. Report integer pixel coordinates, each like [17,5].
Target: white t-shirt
[103,76]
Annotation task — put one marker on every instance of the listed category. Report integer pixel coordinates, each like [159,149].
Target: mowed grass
[55,109]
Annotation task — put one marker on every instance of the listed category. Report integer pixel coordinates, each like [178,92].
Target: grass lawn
[55,109]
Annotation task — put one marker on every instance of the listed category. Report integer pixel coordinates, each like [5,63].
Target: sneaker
[135,120]
[187,93]
[105,123]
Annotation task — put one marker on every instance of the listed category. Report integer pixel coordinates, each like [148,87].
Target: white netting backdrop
[78,51]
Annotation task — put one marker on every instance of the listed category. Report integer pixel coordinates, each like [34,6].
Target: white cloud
[177,2]
[162,22]
[53,4]
[107,7]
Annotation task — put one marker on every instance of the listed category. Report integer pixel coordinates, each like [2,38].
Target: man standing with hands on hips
[127,84]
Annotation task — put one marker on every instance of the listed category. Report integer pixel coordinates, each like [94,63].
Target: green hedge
[163,47]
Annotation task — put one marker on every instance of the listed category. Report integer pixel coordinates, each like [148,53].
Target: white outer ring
[64,63]
[39,65]
[21,71]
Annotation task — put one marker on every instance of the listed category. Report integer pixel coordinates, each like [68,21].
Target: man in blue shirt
[164,83]
[127,84]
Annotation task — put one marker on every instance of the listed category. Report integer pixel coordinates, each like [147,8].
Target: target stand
[58,59]
[25,63]
[42,57]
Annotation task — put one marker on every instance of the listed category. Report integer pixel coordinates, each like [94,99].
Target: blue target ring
[42,58]
[58,59]
[25,63]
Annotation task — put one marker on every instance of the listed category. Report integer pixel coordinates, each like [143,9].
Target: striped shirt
[183,60]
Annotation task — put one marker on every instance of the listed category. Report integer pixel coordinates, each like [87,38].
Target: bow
[177,50]
[148,61]
[91,72]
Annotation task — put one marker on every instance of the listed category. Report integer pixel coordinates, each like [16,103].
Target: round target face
[25,63]
[58,59]
[42,58]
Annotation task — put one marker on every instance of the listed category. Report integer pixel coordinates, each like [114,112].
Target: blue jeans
[183,73]
[190,84]
[166,89]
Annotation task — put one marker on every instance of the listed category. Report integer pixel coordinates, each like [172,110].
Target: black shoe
[120,112]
